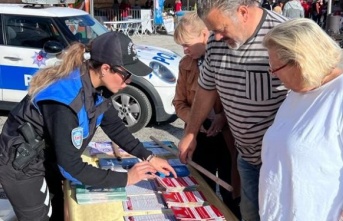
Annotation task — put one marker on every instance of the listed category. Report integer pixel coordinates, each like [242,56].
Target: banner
[158,12]
[169,24]
[146,23]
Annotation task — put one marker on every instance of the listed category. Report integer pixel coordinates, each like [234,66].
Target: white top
[302,157]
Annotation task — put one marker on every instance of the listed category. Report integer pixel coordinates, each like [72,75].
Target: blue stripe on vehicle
[16,78]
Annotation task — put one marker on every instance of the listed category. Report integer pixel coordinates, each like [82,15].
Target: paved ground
[164,41]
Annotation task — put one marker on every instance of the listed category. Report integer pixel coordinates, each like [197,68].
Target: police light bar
[48,2]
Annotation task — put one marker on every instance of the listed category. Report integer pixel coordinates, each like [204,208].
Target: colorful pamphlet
[181,171]
[119,165]
[107,149]
[100,148]
[175,162]
[157,149]
[171,184]
[184,199]
[143,187]
[146,203]
[151,217]
[197,213]
[88,195]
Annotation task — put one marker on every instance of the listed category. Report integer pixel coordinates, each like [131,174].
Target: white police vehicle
[33,35]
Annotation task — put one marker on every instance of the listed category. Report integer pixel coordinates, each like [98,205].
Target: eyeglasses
[272,72]
[123,72]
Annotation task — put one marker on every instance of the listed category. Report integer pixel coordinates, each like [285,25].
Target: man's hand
[186,147]
[140,171]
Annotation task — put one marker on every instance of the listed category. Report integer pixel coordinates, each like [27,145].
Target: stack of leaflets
[87,194]
[180,168]
[197,213]
[106,149]
[157,149]
[118,165]
[184,199]
[143,187]
[151,217]
[175,162]
[143,204]
[100,148]
[179,184]
[181,171]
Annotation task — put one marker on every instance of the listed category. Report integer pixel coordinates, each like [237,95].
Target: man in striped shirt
[236,65]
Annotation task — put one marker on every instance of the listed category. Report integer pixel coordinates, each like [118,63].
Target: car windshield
[84,28]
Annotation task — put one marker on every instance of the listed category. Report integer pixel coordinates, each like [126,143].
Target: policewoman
[45,134]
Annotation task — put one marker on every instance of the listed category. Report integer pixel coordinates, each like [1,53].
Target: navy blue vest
[76,94]
[69,92]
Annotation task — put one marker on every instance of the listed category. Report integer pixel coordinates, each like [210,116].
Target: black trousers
[36,195]
[213,154]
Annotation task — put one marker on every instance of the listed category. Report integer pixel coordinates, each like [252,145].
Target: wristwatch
[150,157]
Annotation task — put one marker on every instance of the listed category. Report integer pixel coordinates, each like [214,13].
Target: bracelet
[150,157]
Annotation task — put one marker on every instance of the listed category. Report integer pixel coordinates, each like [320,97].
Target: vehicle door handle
[13,58]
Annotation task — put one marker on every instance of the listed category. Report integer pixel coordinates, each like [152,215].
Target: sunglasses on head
[122,71]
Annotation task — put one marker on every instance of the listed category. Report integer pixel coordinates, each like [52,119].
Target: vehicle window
[28,31]
[83,28]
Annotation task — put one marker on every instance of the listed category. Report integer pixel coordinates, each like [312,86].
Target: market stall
[114,210]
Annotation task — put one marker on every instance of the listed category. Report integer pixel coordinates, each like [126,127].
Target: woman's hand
[217,124]
[162,166]
[140,171]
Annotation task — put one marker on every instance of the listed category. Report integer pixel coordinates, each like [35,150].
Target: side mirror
[53,47]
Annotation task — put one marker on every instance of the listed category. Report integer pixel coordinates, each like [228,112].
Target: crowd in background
[125,8]
[314,9]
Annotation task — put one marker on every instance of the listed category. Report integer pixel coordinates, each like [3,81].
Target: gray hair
[228,6]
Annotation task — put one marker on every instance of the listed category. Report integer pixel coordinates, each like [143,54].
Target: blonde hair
[189,20]
[71,59]
[302,42]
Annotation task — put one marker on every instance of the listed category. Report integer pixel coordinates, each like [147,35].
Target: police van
[32,37]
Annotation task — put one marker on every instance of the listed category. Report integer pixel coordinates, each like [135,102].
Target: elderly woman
[302,152]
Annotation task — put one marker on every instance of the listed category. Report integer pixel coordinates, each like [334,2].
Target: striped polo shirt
[250,95]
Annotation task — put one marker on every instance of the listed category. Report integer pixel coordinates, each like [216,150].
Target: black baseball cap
[117,49]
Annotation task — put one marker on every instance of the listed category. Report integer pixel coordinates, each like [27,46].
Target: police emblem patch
[77,137]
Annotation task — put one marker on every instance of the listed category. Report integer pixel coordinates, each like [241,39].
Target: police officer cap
[117,49]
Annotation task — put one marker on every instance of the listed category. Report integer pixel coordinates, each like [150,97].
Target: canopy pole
[329,10]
